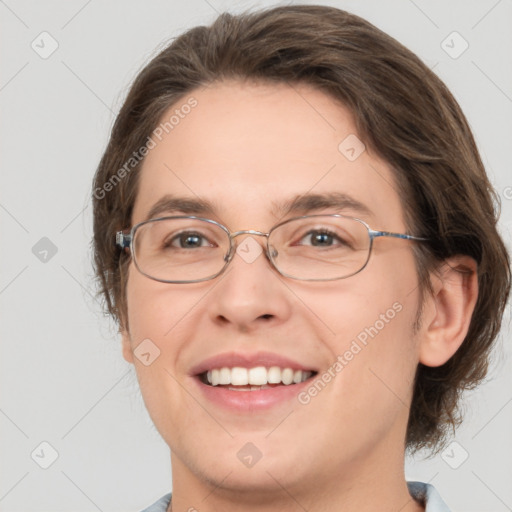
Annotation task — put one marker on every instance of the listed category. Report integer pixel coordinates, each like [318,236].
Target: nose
[251,293]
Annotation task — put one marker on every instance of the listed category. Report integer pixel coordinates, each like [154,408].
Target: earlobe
[448,310]
[126,346]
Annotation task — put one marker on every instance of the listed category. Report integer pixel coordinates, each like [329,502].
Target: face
[247,150]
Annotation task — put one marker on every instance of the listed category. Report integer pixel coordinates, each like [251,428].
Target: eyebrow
[309,203]
[299,205]
[184,205]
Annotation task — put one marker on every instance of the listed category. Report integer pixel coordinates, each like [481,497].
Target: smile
[253,379]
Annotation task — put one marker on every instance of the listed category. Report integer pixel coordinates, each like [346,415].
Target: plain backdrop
[63,380]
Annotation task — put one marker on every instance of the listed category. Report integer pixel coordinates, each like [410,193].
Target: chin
[247,467]
[251,484]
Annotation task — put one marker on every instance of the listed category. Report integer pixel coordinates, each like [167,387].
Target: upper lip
[246,360]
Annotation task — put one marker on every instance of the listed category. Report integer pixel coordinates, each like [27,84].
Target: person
[296,235]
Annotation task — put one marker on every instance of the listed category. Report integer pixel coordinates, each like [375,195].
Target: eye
[187,240]
[322,238]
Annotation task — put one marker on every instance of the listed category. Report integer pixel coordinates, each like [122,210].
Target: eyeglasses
[189,249]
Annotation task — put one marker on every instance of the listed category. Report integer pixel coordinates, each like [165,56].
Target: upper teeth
[258,376]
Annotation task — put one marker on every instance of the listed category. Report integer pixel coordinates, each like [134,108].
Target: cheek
[370,320]
[157,310]
[382,298]
[157,316]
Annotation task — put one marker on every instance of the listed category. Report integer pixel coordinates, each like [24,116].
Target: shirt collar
[428,496]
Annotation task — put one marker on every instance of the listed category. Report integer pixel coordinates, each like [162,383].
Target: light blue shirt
[424,493]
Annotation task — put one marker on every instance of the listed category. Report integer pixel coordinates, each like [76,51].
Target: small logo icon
[454,45]
[249,249]
[146,352]
[454,455]
[351,147]
[249,455]
[44,45]
[44,455]
[44,250]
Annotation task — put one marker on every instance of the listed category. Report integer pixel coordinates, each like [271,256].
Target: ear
[448,310]
[126,346]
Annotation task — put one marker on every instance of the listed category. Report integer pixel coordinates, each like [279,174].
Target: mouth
[251,382]
[257,378]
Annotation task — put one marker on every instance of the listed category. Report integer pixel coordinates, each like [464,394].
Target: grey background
[63,379]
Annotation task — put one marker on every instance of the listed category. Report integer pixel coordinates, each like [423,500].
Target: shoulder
[160,505]
[428,495]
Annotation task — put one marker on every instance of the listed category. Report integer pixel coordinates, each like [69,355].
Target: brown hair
[403,112]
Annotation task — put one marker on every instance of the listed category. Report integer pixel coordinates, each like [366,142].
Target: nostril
[266,316]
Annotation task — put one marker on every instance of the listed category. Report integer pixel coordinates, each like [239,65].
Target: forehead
[251,150]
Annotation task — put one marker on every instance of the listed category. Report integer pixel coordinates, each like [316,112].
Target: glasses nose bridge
[248,232]
[232,237]
[234,245]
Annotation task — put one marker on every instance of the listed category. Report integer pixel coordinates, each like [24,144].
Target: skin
[244,147]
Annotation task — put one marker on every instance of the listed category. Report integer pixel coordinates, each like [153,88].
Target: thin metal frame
[124,240]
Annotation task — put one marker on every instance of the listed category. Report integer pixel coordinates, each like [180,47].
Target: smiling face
[248,152]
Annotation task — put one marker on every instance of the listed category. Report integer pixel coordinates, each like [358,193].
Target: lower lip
[247,401]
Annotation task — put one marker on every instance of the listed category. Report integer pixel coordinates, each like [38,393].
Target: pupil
[190,240]
[322,239]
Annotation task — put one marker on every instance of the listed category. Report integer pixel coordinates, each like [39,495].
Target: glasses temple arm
[375,234]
